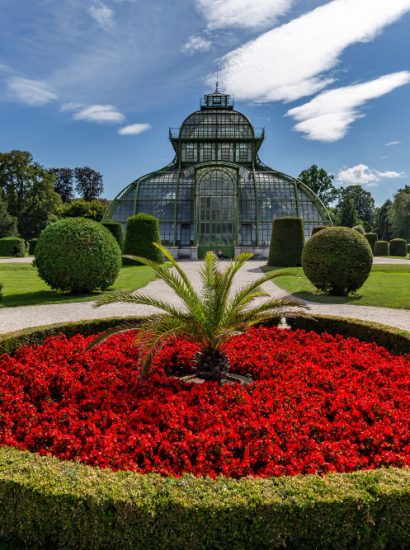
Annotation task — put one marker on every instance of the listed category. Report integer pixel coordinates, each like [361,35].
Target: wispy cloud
[196,44]
[391,143]
[72,106]
[328,116]
[103,114]
[363,175]
[31,92]
[134,129]
[253,14]
[103,15]
[289,62]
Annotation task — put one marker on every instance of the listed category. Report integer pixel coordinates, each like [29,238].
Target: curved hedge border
[45,502]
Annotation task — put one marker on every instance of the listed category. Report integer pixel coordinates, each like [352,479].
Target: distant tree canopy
[384,227]
[321,183]
[8,223]
[363,203]
[28,189]
[399,213]
[89,183]
[63,182]
[347,213]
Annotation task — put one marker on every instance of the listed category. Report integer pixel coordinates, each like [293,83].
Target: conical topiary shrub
[287,242]
[381,248]
[141,234]
[371,239]
[116,229]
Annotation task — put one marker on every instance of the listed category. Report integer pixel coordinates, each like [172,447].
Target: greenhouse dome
[216,193]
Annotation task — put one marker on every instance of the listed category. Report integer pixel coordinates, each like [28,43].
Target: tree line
[353,206]
[32,196]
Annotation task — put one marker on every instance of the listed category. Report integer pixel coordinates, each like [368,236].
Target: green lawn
[23,287]
[387,286]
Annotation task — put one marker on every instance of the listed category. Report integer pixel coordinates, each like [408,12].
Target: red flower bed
[318,404]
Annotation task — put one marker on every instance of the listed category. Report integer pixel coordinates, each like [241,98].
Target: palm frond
[131,297]
[119,329]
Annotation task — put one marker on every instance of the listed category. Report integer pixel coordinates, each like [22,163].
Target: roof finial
[217,79]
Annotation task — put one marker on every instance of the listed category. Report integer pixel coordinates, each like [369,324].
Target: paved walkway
[30,316]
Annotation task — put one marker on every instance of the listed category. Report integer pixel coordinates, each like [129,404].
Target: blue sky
[98,82]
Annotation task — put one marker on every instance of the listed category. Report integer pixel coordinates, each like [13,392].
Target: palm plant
[209,319]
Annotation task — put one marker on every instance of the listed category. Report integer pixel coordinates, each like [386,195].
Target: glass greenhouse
[216,193]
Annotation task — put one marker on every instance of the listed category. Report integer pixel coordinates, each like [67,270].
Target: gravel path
[30,316]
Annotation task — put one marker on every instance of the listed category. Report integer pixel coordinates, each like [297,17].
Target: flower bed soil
[318,404]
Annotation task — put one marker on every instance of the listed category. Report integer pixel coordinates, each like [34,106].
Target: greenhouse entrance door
[216,211]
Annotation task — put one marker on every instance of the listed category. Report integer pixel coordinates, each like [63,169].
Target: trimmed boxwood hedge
[381,248]
[287,242]
[32,243]
[371,239]
[398,247]
[12,246]
[46,502]
[116,229]
[142,231]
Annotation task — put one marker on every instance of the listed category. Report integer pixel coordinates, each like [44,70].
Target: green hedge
[12,246]
[142,231]
[286,242]
[116,229]
[381,248]
[371,239]
[398,247]
[45,502]
[32,243]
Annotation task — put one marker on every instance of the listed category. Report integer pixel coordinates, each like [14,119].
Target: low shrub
[12,246]
[32,243]
[371,239]
[398,247]
[381,248]
[318,228]
[287,242]
[116,229]
[142,231]
[80,208]
[337,260]
[77,255]
[54,504]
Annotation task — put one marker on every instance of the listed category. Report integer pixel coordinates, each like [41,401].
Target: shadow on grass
[325,298]
[43,297]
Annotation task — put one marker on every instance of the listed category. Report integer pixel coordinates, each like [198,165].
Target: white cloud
[104,114]
[390,143]
[72,106]
[327,117]
[363,175]
[288,62]
[196,44]
[103,15]
[31,92]
[134,129]
[242,13]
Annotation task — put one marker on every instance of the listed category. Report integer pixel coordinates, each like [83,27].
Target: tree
[89,183]
[363,203]
[384,227]
[79,208]
[8,224]
[399,213]
[209,319]
[29,191]
[347,213]
[63,183]
[321,183]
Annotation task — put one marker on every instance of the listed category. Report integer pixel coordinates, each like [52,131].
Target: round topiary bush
[398,247]
[287,242]
[77,255]
[371,239]
[318,228]
[337,260]
[142,231]
[381,248]
[116,229]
